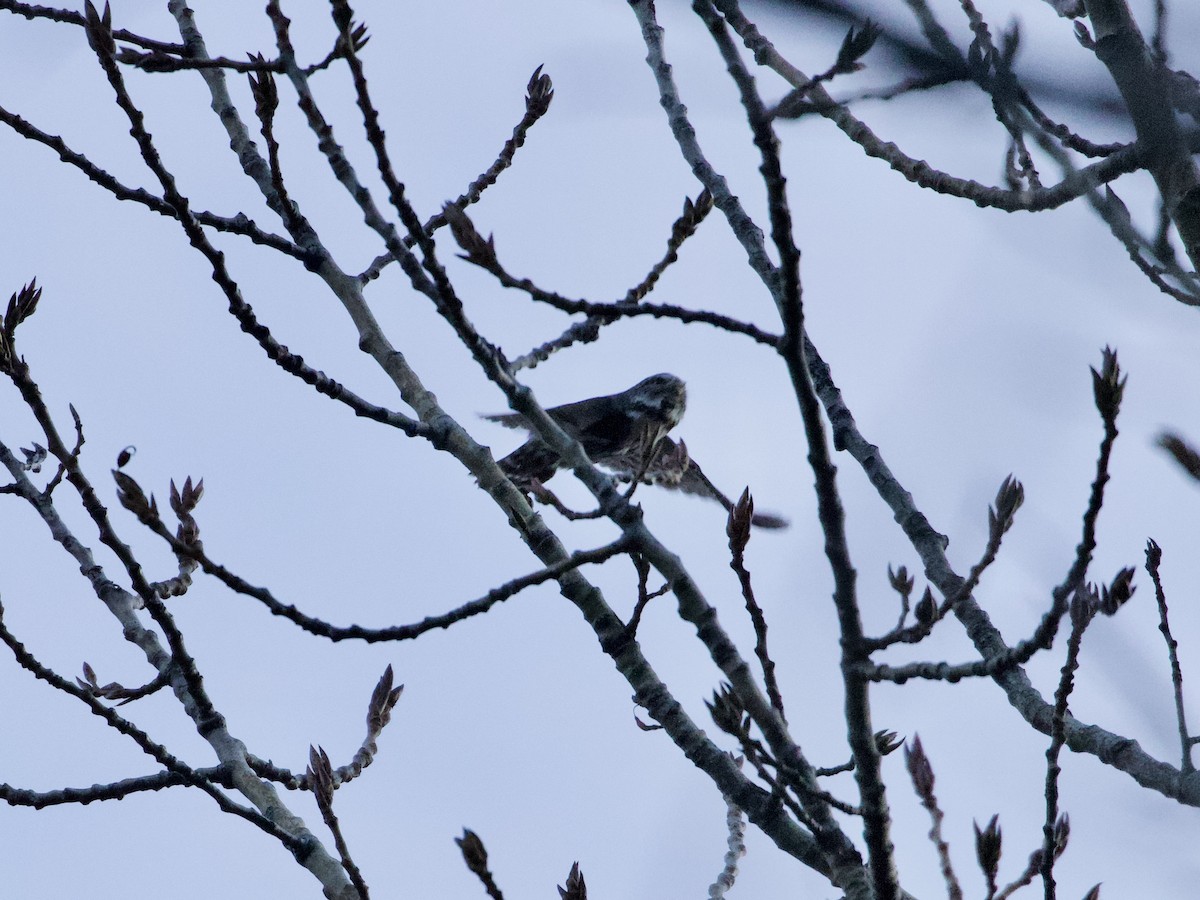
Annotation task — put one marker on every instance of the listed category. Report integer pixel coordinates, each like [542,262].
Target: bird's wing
[581,413]
[508,420]
[598,424]
[675,470]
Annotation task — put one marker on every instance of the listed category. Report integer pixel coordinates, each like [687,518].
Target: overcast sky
[960,337]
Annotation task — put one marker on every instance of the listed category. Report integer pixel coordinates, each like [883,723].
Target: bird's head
[662,397]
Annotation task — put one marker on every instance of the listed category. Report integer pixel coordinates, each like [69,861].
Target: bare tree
[837,820]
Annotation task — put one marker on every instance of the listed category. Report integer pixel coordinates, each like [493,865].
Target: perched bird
[627,434]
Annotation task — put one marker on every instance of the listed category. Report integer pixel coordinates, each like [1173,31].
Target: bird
[625,433]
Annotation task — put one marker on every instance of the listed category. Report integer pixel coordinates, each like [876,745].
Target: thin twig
[150,747]
[321,628]
[738,531]
[1186,741]
[920,770]
[539,93]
